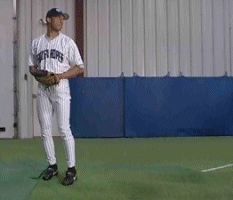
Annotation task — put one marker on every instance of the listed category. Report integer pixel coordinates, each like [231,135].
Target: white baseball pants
[50,101]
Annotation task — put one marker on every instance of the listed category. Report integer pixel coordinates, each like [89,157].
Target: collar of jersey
[49,39]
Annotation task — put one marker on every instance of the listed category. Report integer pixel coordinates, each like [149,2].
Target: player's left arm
[73,72]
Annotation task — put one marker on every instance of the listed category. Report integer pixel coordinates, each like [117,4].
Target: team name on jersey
[52,54]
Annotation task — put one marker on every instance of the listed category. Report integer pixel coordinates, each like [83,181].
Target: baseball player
[58,56]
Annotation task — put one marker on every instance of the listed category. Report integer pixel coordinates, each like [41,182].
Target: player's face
[57,23]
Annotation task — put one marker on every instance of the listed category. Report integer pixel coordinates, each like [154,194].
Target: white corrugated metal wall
[157,37]
[7,69]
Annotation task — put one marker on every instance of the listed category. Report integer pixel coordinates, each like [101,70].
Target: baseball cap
[54,12]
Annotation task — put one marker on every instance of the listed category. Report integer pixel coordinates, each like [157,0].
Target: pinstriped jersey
[55,55]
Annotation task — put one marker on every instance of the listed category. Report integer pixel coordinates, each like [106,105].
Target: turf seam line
[217,168]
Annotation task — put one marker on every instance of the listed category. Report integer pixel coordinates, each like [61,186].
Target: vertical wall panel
[184,25]
[207,37]
[70,24]
[231,35]
[50,3]
[196,34]
[227,37]
[218,30]
[115,38]
[157,37]
[103,33]
[138,37]
[173,37]
[150,36]
[92,38]
[38,13]
[127,37]
[24,29]
[161,37]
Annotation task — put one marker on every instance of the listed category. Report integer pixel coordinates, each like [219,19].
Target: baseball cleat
[49,173]
[69,178]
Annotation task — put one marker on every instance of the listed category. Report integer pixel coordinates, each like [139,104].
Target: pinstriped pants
[49,102]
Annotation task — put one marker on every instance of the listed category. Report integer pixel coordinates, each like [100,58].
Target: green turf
[122,169]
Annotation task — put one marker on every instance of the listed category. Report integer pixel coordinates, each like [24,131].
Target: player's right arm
[35,71]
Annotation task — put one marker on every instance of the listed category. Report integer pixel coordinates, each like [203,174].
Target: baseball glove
[49,79]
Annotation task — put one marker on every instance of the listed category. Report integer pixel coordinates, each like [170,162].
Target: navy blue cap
[54,12]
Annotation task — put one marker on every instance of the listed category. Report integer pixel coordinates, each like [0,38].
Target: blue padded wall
[178,106]
[97,107]
[151,107]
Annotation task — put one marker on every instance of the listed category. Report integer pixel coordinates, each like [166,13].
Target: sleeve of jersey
[31,58]
[74,55]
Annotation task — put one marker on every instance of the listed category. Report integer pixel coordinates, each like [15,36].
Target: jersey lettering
[53,54]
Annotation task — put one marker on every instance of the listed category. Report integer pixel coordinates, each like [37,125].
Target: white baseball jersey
[55,55]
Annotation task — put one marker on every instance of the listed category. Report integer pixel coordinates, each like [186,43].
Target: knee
[65,133]
[46,133]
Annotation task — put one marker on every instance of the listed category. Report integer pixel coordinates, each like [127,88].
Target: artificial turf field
[122,169]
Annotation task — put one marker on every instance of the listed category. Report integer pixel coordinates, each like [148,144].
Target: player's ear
[48,20]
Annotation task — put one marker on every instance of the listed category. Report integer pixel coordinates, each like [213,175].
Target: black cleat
[70,177]
[48,173]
